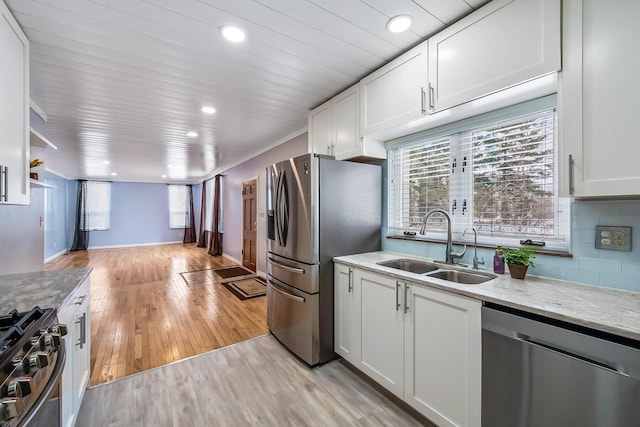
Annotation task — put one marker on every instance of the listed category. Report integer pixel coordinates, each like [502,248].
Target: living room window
[178,206]
[98,206]
[495,172]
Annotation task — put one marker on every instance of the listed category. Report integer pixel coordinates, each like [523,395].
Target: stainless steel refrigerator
[317,208]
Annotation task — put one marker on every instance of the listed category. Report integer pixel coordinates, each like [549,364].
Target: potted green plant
[518,260]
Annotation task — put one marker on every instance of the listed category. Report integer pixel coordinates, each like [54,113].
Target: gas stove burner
[30,345]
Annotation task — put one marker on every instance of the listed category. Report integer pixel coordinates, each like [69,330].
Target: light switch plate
[613,238]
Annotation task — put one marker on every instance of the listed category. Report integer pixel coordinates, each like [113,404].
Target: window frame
[92,211]
[174,212]
[514,113]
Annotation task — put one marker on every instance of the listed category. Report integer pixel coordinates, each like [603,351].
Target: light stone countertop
[604,309]
[42,288]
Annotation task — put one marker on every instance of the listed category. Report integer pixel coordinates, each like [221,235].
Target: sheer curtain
[202,236]
[81,236]
[190,227]
[215,238]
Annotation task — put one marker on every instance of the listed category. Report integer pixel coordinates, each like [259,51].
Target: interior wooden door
[249,224]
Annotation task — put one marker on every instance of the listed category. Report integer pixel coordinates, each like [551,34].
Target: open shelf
[38,140]
[35,183]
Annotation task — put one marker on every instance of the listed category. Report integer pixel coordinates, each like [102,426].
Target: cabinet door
[500,45]
[381,320]
[443,356]
[14,111]
[321,129]
[347,314]
[394,94]
[346,121]
[599,99]
[81,361]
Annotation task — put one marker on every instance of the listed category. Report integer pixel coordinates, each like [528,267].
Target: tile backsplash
[612,269]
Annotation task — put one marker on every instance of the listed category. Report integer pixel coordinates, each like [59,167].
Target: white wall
[232,197]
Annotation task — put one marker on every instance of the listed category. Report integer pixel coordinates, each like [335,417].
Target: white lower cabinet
[421,344]
[443,356]
[75,378]
[347,315]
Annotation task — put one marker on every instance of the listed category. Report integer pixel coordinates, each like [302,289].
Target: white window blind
[97,206]
[178,206]
[495,173]
[209,207]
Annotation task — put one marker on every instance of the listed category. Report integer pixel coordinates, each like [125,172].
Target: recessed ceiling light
[164,176]
[114,174]
[233,34]
[106,162]
[399,23]
[207,109]
[169,166]
[192,134]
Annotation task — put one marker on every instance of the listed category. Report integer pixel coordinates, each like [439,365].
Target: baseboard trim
[133,245]
[56,255]
[230,258]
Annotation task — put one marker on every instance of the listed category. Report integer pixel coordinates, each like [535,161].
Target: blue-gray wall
[139,215]
[56,228]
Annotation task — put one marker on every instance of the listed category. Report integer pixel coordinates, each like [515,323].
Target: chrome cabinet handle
[398,285]
[287,294]
[83,330]
[80,300]
[432,97]
[423,102]
[571,164]
[3,183]
[350,280]
[406,300]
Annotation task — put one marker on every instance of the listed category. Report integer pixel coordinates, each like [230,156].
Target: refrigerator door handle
[284,192]
[278,212]
[286,267]
[287,294]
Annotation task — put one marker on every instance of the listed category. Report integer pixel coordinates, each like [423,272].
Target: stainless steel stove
[31,364]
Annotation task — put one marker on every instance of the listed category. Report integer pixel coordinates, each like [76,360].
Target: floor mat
[199,277]
[247,288]
[228,272]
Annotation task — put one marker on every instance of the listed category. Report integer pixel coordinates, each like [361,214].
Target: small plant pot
[518,271]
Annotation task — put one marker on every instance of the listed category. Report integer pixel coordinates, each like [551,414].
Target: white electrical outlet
[613,238]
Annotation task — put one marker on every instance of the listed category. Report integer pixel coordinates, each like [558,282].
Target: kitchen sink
[410,265]
[462,277]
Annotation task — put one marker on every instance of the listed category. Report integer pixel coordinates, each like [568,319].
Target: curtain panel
[81,235]
[202,235]
[190,229]
[215,237]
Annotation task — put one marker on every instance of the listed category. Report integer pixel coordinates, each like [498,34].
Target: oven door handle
[286,294]
[286,267]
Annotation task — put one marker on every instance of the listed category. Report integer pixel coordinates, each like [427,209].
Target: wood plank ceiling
[122,81]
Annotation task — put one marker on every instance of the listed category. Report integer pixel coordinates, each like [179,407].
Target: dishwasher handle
[565,352]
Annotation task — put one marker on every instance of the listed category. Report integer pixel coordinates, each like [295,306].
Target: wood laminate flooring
[144,315]
[254,383]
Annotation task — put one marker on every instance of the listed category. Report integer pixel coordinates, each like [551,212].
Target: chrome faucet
[475,247]
[450,254]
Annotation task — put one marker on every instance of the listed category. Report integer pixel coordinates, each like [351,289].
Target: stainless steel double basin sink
[439,271]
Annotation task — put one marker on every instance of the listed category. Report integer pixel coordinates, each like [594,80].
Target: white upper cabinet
[321,129]
[334,129]
[502,44]
[346,120]
[598,101]
[395,94]
[14,111]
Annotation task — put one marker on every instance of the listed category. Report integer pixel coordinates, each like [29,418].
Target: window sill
[419,238]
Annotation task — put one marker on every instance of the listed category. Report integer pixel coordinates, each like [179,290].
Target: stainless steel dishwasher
[539,372]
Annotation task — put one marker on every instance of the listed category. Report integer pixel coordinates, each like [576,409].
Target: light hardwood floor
[254,383]
[144,315]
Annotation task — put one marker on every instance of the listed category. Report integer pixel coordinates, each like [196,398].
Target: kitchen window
[495,172]
[98,206]
[178,206]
